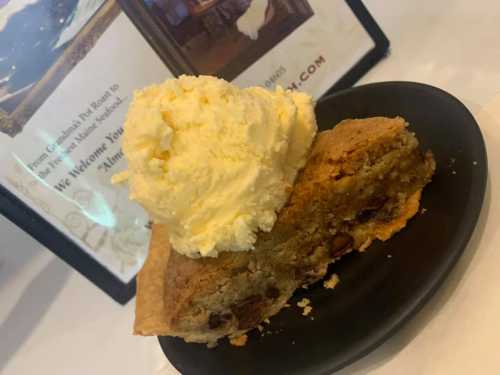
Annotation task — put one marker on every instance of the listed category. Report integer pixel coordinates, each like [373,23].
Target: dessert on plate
[249,203]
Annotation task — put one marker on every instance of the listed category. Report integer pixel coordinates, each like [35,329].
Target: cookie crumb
[474,162]
[304,302]
[453,172]
[332,282]
[423,210]
[260,328]
[286,305]
[239,341]
[267,321]
[389,256]
[307,310]
[293,342]
[305,286]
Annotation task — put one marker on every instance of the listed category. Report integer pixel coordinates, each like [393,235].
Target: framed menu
[68,70]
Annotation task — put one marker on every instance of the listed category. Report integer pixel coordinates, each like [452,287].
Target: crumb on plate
[307,310]
[239,340]
[331,282]
[304,302]
[211,345]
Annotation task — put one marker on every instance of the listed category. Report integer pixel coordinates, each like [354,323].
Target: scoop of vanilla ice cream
[214,162]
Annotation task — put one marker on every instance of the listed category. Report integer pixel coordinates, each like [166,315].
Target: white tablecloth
[53,321]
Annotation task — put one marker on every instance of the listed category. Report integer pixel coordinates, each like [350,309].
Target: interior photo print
[40,42]
[223,37]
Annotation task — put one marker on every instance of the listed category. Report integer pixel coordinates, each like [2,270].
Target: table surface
[53,321]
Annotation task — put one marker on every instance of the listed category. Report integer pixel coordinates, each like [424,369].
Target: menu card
[68,70]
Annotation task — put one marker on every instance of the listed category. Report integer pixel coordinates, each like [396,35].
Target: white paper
[95,214]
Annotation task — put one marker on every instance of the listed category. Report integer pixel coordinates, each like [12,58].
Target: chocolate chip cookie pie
[362,182]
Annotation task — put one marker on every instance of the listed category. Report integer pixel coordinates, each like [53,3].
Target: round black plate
[382,288]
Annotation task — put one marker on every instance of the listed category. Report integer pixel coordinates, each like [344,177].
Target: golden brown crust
[152,309]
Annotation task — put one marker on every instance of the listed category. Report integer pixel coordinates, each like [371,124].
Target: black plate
[382,288]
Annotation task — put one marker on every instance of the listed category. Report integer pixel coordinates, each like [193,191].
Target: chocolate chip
[341,243]
[341,174]
[372,209]
[366,215]
[215,320]
[249,311]
[272,292]
[376,203]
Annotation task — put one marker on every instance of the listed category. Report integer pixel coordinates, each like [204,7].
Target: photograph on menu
[40,43]
[222,37]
